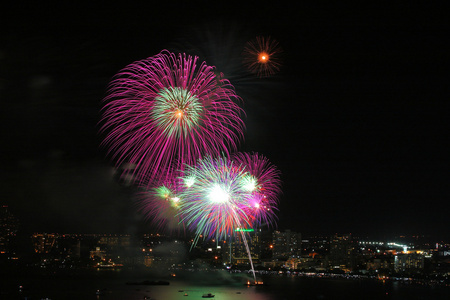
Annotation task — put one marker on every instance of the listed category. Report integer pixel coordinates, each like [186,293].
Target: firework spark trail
[249,254]
[244,238]
[167,111]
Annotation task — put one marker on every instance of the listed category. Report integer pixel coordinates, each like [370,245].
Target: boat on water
[255,283]
[209,295]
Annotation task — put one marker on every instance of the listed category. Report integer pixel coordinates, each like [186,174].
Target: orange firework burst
[262,56]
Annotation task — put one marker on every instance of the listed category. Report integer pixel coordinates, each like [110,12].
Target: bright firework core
[249,183]
[177,110]
[263,57]
[218,194]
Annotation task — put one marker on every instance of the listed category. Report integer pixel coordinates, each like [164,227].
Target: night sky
[356,120]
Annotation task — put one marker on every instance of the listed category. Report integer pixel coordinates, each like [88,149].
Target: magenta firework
[167,111]
[262,178]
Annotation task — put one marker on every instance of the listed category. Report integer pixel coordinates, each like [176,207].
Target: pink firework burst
[262,56]
[262,179]
[166,111]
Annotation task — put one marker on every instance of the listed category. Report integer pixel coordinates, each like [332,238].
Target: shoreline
[191,274]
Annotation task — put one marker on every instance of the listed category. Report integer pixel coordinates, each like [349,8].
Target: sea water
[111,285]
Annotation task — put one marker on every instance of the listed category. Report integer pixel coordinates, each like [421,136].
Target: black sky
[357,119]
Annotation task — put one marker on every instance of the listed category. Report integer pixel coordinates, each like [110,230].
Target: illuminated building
[312,261]
[293,263]
[115,240]
[266,245]
[148,260]
[382,262]
[43,242]
[286,244]
[68,245]
[237,247]
[409,262]
[8,229]
[98,253]
[342,252]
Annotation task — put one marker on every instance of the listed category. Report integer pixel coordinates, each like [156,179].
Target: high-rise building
[266,242]
[409,262]
[342,252]
[286,244]
[9,225]
[243,241]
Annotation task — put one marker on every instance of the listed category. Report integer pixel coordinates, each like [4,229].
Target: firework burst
[214,197]
[160,205]
[167,111]
[262,180]
[220,194]
[262,56]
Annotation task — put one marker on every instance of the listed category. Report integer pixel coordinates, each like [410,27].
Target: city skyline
[355,120]
[287,249]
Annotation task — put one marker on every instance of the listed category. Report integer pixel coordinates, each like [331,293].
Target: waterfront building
[342,252]
[315,245]
[312,262]
[286,244]
[381,262]
[237,246]
[98,254]
[409,262]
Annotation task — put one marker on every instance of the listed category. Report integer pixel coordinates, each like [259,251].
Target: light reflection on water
[224,286]
[196,292]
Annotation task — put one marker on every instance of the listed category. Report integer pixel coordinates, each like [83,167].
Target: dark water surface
[193,285]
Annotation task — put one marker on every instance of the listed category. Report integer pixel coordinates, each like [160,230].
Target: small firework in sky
[160,205]
[262,56]
[167,111]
